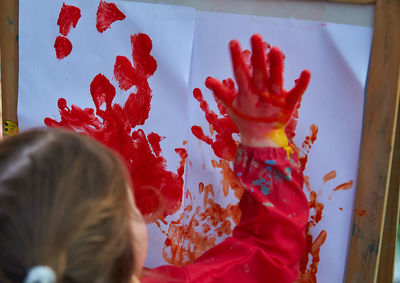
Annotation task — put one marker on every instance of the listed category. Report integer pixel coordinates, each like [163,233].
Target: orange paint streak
[229,179]
[317,206]
[308,271]
[208,190]
[309,275]
[360,212]
[344,186]
[211,128]
[309,140]
[329,176]
[307,183]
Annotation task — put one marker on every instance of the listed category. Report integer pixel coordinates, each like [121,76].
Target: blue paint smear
[10,22]
[288,172]
[261,183]
[270,162]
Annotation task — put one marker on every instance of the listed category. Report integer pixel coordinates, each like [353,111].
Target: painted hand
[260,108]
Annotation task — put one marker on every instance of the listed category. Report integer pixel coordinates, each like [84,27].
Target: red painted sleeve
[267,244]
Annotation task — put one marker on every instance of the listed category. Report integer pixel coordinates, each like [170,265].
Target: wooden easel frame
[371,253]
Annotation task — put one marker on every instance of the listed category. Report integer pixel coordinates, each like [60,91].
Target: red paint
[63,47]
[68,18]
[341,208]
[313,248]
[138,104]
[187,240]
[229,179]
[307,143]
[345,186]
[224,146]
[317,206]
[329,176]
[107,13]
[308,270]
[154,140]
[311,138]
[158,192]
[307,183]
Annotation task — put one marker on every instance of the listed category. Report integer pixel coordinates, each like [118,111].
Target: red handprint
[158,192]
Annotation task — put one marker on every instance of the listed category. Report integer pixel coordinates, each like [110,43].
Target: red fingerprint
[68,18]
[63,47]
[158,192]
[107,13]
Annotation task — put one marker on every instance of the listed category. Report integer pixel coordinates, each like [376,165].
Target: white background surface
[336,55]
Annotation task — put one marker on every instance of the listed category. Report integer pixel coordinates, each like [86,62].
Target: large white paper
[337,56]
[43,79]
[188,44]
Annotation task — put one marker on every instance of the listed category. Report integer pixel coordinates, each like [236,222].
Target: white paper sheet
[336,55]
[43,79]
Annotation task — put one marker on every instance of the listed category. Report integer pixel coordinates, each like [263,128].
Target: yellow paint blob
[279,138]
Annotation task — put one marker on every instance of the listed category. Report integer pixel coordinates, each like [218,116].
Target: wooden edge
[9,62]
[354,1]
[380,116]
[389,237]
[1,103]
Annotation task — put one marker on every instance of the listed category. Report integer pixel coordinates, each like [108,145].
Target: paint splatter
[68,18]
[187,240]
[158,192]
[360,212]
[308,275]
[329,176]
[197,231]
[307,143]
[229,179]
[308,270]
[63,47]
[107,13]
[345,186]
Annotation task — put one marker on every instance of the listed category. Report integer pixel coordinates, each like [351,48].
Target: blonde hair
[64,203]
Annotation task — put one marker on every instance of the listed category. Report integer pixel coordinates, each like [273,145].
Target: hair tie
[40,274]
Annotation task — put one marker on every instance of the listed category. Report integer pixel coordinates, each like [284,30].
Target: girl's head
[65,203]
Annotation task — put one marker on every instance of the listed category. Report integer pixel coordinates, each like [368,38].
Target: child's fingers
[239,68]
[293,96]
[275,80]
[258,61]
[220,91]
